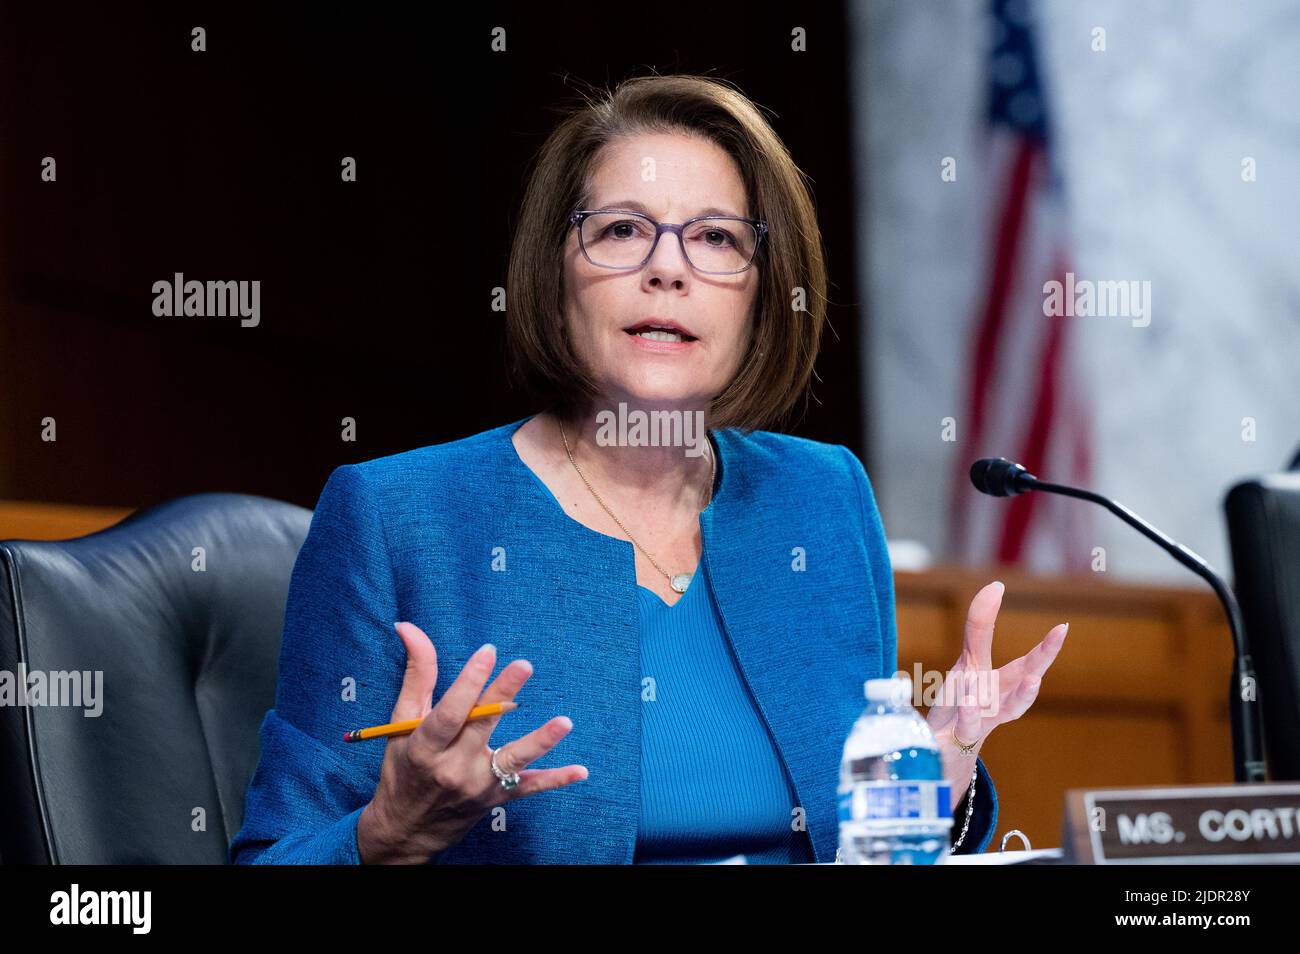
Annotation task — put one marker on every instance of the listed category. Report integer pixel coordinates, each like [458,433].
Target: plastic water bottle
[895,806]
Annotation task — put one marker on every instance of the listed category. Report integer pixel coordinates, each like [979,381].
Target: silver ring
[1019,834]
[507,781]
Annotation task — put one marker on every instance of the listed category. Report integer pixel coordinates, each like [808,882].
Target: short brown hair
[778,364]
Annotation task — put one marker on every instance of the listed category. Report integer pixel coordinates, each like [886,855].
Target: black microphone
[999,477]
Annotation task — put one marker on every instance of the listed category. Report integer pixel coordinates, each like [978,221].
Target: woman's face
[671,178]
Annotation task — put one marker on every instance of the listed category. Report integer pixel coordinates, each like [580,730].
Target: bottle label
[899,800]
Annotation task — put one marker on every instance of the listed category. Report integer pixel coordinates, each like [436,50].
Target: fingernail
[1001,586]
[566,722]
[483,652]
[1066,630]
[397,624]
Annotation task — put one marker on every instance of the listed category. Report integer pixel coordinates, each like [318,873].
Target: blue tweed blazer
[465,540]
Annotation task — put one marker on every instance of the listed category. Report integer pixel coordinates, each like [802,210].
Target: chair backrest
[1264,532]
[159,640]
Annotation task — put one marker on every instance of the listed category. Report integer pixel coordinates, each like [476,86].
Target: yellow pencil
[409,725]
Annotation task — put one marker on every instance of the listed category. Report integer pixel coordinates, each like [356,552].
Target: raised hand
[977,698]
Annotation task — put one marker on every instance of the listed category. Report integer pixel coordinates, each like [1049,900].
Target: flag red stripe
[1019,515]
[995,314]
[989,330]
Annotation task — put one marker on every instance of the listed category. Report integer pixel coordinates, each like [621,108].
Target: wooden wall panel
[27,520]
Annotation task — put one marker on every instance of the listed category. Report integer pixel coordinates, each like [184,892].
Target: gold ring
[966,747]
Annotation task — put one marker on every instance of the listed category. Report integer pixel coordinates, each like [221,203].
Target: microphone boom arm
[1003,478]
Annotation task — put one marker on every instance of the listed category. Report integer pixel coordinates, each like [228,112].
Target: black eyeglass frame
[577,217]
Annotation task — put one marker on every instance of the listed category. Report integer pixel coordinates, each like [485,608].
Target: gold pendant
[680,582]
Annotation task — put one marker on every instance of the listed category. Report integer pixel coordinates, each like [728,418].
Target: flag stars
[1008,69]
[1024,108]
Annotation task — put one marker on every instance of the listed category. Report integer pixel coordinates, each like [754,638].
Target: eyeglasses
[715,244]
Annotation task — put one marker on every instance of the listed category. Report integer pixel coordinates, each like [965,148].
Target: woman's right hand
[437,782]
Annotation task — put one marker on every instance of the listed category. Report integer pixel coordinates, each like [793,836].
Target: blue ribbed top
[712,782]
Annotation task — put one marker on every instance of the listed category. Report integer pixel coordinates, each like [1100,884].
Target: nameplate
[1189,824]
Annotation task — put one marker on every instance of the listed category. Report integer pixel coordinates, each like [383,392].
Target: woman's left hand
[976,698]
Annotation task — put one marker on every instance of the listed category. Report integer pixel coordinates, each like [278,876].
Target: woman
[702,611]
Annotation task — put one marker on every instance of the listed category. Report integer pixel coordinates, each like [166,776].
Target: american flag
[1022,394]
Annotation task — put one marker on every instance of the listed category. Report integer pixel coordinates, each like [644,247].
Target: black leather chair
[1264,533]
[187,641]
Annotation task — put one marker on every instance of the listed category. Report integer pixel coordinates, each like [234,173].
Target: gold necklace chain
[672,580]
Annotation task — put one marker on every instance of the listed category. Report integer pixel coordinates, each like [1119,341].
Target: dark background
[375,294]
